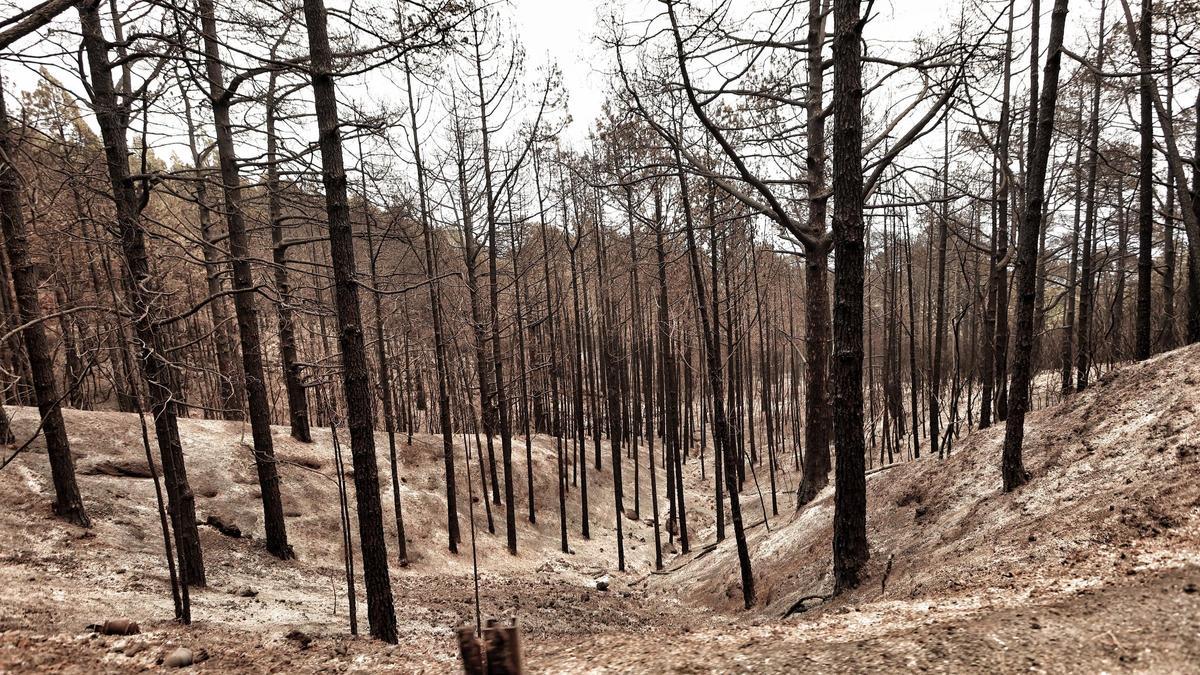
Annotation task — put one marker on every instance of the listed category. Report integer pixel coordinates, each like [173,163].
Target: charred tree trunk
[1141,330]
[230,386]
[297,397]
[68,503]
[144,294]
[435,310]
[355,378]
[243,299]
[1012,468]
[850,548]
[1083,346]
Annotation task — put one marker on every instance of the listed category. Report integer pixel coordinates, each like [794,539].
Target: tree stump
[499,653]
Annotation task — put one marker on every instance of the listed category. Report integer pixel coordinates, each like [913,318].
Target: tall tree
[143,290]
[1141,329]
[1083,346]
[68,503]
[435,310]
[381,614]
[850,548]
[1011,467]
[243,299]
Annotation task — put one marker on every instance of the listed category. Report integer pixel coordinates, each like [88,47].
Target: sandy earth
[1092,567]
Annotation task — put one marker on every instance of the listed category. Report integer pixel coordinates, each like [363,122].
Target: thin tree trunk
[1141,331]
[243,299]
[230,384]
[144,294]
[1083,348]
[68,503]
[297,397]
[1012,468]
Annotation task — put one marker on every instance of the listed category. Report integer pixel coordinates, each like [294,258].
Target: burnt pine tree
[850,549]
[144,292]
[297,396]
[243,299]
[381,614]
[1011,467]
[1141,330]
[1083,349]
[68,503]
[435,310]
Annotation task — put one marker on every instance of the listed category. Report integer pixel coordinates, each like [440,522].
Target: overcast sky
[564,31]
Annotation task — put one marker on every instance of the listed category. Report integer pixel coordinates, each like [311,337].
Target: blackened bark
[144,292]
[649,388]
[230,390]
[578,411]
[1067,341]
[501,393]
[1193,284]
[1083,346]
[720,421]
[1012,468]
[1191,210]
[850,548]
[939,330]
[1000,275]
[33,19]
[387,397]
[297,396]
[435,310]
[357,388]
[721,435]
[243,299]
[68,503]
[816,456]
[1141,331]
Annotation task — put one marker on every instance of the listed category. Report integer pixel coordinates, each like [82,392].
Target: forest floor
[1094,566]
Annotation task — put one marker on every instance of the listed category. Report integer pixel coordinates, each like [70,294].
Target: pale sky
[563,31]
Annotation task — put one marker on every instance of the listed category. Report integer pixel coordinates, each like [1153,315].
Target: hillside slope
[55,579]
[1115,490]
[1093,566]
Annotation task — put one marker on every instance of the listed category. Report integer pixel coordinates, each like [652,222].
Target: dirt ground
[1092,567]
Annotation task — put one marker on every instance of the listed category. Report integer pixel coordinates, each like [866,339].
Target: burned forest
[608,336]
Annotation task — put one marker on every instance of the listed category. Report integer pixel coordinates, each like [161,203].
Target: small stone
[602,583]
[1189,588]
[247,592]
[135,648]
[179,658]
